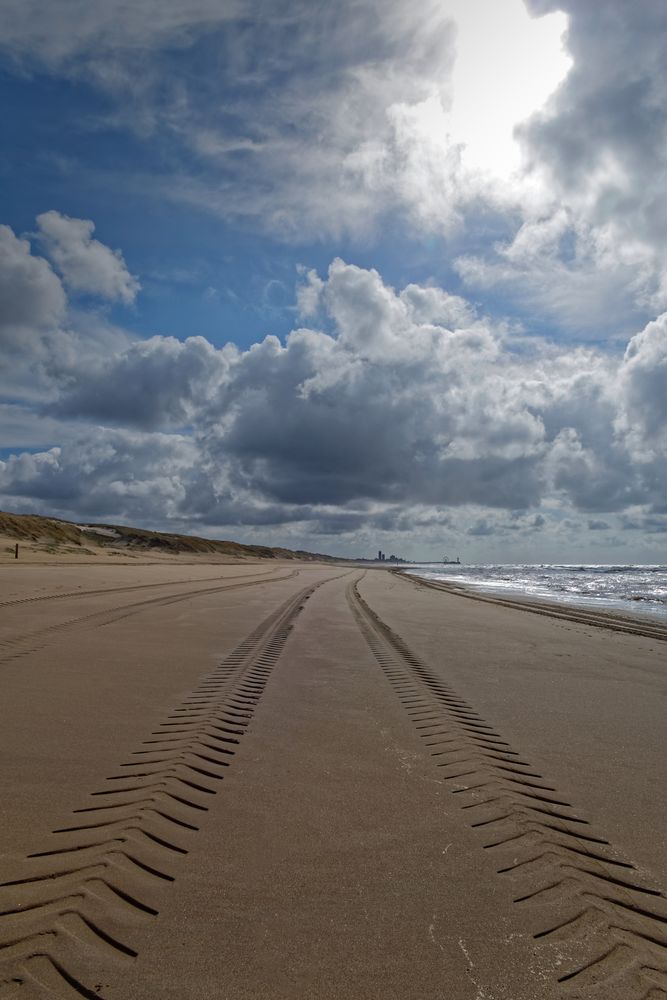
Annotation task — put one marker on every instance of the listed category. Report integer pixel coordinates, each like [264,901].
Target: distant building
[383,557]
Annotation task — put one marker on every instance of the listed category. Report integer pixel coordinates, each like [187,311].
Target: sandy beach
[280,779]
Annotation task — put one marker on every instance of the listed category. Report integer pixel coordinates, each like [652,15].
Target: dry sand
[272,780]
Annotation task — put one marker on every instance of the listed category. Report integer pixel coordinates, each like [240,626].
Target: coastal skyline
[340,280]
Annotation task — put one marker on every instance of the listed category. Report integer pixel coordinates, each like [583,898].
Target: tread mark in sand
[102,591]
[598,909]
[102,876]
[22,645]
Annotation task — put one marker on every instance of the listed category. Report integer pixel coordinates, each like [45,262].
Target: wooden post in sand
[16,551]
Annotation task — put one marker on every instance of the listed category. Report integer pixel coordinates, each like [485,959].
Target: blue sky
[338,278]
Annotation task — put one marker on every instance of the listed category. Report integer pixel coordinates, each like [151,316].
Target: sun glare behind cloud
[496,86]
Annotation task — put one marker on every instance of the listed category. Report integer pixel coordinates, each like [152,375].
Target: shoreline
[653,627]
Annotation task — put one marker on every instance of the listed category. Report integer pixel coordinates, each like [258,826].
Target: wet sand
[291,780]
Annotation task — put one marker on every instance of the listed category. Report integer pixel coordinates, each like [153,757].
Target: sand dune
[48,539]
[309,780]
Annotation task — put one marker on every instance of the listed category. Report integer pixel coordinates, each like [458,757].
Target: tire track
[117,590]
[599,914]
[31,642]
[599,619]
[81,895]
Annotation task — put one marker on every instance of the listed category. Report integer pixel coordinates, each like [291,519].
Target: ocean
[635,590]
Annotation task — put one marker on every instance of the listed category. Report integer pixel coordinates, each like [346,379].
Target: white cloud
[101,474]
[304,125]
[643,387]
[499,49]
[85,264]
[396,109]
[596,156]
[568,274]
[154,383]
[389,407]
[44,341]
[32,298]
[23,428]
[412,400]
[411,407]
[66,29]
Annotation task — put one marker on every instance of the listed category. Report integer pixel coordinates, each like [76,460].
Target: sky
[339,276]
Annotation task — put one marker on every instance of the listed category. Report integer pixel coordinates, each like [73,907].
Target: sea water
[633,589]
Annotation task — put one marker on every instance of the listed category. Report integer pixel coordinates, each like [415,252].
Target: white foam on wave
[634,589]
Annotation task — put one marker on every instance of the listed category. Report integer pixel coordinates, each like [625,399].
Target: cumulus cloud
[32,298]
[394,409]
[644,390]
[102,473]
[155,383]
[85,264]
[386,407]
[410,406]
[44,342]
